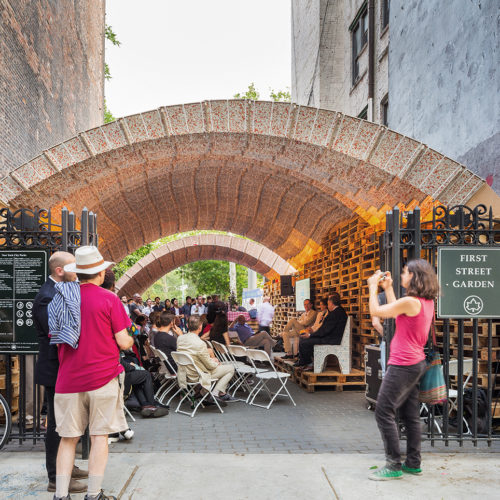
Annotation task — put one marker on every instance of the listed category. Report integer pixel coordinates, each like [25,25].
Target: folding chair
[169,375]
[185,360]
[453,393]
[264,377]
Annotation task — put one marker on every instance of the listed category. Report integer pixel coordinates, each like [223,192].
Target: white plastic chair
[185,360]
[169,375]
[243,371]
[264,377]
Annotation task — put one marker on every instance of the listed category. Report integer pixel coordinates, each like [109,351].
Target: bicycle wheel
[5,422]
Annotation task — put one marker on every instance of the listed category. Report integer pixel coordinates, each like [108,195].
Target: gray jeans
[399,392]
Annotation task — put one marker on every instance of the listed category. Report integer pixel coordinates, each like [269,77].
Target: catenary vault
[278,173]
[200,247]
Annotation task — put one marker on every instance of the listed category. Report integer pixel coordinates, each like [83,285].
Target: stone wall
[51,74]
[444,81]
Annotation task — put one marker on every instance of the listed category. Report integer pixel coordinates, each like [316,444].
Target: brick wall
[51,74]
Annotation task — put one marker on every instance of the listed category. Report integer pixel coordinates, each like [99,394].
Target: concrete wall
[51,74]
[444,79]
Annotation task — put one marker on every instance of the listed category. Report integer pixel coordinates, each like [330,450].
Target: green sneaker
[385,474]
[409,470]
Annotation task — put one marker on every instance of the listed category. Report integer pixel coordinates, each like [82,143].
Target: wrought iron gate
[407,237]
[38,229]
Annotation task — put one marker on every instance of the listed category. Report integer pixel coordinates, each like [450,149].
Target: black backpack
[482,409]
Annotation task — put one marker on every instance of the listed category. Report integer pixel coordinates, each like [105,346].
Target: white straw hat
[88,260]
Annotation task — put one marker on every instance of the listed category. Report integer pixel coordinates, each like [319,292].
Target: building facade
[425,69]
[51,74]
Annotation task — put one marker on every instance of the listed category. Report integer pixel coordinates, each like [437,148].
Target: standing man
[294,327]
[198,307]
[253,310]
[158,306]
[89,388]
[136,307]
[265,315]
[48,365]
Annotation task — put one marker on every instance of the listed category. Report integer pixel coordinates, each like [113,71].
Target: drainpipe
[371,59]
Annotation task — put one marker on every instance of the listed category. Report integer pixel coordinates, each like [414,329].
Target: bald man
[48,365]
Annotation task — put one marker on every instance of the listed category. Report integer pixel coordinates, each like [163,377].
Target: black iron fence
[36,229]
[469,346]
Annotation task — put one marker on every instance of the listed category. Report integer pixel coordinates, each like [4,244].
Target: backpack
[482,409]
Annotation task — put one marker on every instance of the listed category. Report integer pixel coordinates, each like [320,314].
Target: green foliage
[251,93]
[280,95]
[110,35]
[108,116]
[254,94]
[205,277]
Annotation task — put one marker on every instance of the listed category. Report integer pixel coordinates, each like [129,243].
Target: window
[385,13]
[359,29]
[364,113]
[384,110]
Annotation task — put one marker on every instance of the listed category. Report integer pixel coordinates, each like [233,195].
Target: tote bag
[432,384]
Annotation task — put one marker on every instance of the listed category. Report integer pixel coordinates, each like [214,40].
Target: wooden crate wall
[348,257]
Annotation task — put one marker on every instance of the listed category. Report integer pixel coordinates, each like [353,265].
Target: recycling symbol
[473,305]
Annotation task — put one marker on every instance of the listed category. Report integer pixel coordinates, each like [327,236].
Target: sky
[181,51]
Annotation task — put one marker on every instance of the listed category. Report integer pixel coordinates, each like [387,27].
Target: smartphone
[382,277]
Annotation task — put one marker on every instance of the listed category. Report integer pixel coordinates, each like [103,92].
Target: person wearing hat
[89,381]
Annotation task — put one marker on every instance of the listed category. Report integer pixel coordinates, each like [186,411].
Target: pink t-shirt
[412,333]
[96,361]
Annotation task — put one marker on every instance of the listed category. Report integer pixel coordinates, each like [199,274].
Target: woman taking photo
[406,365]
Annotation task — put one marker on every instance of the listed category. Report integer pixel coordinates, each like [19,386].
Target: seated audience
[166,338]
[295,326]
[248,338]
[148,308]
[330,332]
[323,312]
[141,383]
[153,329]
[219,329]
[158,306]
[211,368]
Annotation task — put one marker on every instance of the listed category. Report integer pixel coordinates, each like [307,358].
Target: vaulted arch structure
[200,247]
[279,173]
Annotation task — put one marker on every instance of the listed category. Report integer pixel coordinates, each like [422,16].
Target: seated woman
[219,330]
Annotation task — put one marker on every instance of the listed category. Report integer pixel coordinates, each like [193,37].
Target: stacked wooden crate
[284,306]
[14,407]
[348,256]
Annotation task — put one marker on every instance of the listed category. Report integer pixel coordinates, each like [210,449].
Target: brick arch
[200,247]
[278,173]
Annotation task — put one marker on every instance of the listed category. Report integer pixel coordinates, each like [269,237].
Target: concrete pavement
[261,477]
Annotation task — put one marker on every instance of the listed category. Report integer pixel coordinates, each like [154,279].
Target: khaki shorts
[101,410]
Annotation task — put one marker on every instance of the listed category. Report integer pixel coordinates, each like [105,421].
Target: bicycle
[5,422]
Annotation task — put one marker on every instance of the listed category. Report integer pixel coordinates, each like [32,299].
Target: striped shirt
[64,314]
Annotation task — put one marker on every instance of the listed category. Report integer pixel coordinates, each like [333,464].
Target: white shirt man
[265,315]
[198,307]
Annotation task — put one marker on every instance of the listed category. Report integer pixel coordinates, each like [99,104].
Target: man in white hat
[89,381]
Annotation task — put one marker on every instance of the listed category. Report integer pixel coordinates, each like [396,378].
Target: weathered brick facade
[51,74]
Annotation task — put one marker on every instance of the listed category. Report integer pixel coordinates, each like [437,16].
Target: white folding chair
[264,377]
[453,393]
[169,376]
[243,372]
[185,360]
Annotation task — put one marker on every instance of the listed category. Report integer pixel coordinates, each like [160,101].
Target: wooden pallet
[334,379]
[286,366]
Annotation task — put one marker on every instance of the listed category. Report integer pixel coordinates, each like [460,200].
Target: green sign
[470,282]
[22,273]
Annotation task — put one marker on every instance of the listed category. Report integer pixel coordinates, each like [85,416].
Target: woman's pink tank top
[412,333]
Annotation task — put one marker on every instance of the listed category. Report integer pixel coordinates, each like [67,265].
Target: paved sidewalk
[151,476]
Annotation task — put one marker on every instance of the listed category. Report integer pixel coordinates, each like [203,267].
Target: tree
[254,94]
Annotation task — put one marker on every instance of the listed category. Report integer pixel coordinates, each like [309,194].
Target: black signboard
[470,281]
[22,273]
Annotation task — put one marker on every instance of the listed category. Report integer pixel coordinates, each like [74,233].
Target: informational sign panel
[22,273]
[252,294]
[302,292]
[470,282]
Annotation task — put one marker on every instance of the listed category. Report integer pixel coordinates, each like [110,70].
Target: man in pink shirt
[89,382]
